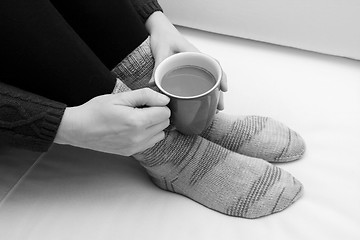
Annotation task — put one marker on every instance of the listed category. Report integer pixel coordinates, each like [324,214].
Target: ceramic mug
[191,114]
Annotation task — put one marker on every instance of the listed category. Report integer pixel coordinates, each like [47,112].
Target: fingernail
[164,98]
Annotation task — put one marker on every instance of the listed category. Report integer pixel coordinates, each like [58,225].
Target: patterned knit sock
[254,136]
[219,179]
[137,68]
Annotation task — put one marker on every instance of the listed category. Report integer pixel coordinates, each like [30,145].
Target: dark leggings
[64,50]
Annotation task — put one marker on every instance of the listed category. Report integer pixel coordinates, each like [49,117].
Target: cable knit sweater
[59,54]
[27,120]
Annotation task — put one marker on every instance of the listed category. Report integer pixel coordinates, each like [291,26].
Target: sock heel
[164,184]
[161,183]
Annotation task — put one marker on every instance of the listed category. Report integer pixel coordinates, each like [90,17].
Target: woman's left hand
[166,40]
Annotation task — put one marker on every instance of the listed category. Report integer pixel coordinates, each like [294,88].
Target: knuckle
[131,152]
[134,140]
[146,91]
[126,153]
[139,124]
[134,122]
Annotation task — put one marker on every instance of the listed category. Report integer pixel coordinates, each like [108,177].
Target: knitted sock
[137,68]
[253,136]
[219,179]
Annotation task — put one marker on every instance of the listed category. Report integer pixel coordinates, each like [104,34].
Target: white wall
[326,26]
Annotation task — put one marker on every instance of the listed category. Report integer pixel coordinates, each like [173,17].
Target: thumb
[159,57]
[144,97]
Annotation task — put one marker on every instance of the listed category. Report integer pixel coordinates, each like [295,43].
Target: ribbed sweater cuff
[50,126]
[147,9]
[39,142]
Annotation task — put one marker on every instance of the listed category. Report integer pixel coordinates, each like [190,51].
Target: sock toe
[273,192]
[292,190]
[222,180]
[256,136]
[293,148]
[273,142]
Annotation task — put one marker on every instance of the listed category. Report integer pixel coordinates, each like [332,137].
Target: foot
[219,179]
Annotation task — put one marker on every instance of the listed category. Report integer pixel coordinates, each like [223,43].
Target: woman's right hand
[124,123]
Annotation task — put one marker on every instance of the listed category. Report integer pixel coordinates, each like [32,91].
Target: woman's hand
[124,123]
[166,40]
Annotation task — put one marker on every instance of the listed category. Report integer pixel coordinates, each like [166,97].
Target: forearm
[111,28]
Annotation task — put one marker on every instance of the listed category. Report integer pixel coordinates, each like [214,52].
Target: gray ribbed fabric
[208,173]
[254,136]
[137,68]
[219,179]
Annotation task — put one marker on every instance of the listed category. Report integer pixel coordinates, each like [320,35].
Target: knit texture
[222,180]
[146,7]
[219,179]
[137,68]
[27,120]
[254,136]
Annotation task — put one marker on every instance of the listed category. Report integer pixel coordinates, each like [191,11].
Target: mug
[191,113]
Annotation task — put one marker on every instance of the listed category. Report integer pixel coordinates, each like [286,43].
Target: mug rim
[217,83]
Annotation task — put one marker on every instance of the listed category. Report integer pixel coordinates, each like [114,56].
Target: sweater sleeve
[146,7]
[27,120]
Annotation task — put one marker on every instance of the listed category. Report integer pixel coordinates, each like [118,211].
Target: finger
[153,115]
[161,55]
[158,58]
[155,139]
[221,102]
[223,83]
[143,97]
[147,144]
[150,135]
[155,129]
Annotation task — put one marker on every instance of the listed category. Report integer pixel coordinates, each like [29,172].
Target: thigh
[112,28]
[44,55]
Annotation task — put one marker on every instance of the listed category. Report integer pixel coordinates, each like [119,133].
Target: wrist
[66,128]
[157,21]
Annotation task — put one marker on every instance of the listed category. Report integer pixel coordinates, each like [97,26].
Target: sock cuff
[120,87]
[136,69]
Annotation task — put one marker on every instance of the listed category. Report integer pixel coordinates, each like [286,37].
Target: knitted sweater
[59,55]
[27,120]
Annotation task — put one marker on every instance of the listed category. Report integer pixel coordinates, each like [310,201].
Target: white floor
[77,194]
